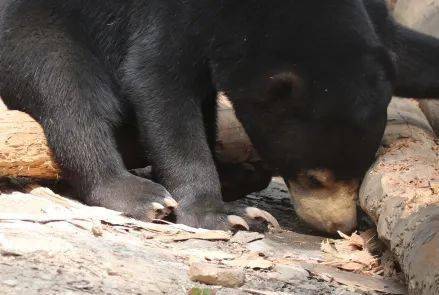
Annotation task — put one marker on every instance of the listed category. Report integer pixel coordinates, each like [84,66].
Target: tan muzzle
[324,203]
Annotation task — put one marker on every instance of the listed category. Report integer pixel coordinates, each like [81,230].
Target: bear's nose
[323,177]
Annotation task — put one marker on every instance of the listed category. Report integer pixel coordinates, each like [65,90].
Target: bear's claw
[237,222]
[170,203]
[258,214]
[161,211]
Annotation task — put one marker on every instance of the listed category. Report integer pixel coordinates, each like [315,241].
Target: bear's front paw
[134,196]
[225,217]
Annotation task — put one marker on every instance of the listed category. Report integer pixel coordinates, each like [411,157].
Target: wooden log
[401,194]
[431,111]
[24,151]
[23,148]
[233,144]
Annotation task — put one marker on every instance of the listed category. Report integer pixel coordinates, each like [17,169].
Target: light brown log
[412,229]
[24,151]
[233,145]
[401,194]
[431,111]
[23,148]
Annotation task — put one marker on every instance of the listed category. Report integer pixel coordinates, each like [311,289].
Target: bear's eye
[280,87]
[285,85]
[314,182]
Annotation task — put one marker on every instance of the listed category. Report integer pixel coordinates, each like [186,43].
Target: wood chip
[359,281]
[350,253]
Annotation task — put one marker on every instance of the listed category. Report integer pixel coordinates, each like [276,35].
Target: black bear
[119,84]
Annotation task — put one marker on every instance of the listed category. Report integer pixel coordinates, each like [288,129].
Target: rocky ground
[53,245]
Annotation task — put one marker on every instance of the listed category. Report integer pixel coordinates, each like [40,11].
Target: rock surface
[422,15]
[49,246]
[216,275]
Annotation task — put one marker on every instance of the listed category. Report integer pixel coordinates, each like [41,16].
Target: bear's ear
[286,86]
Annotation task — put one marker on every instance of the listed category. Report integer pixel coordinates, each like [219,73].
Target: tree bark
[401,194]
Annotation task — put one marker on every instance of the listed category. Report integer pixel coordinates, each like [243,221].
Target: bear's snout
[327,204]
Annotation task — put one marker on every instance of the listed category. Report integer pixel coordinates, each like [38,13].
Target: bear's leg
[83,144]
[237,179]
[181,157]
[73,98]
[173,128]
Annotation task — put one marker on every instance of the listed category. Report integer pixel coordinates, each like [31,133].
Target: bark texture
[401,194]
[23,148]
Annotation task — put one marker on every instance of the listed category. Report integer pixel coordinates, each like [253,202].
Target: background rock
[422,15]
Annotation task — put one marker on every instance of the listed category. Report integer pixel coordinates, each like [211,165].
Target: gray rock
[288,273]
[244,237]
[422,15]
[210,274]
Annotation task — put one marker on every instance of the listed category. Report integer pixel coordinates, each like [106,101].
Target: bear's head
[311,85]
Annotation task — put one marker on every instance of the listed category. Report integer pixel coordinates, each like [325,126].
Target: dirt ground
[53,245]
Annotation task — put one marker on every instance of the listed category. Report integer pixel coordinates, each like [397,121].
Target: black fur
[121,84]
